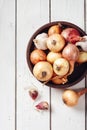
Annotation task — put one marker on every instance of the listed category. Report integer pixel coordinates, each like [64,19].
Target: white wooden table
[19,19]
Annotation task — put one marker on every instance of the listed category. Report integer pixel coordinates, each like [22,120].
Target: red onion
[71,35]
[71,53]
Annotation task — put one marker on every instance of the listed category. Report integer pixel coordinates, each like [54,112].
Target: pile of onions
[71,53]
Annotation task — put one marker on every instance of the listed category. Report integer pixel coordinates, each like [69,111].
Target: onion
[71,35]
[71,97]
[82,57]
[43,71]
[55,42]
[40,41]
[54,29]
[37,55]
[71,53]
[52,56]
[59,80]
[61,66]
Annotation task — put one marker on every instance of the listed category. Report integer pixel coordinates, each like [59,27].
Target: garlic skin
[33,93]
[83,43]
[40,41]
[42,105]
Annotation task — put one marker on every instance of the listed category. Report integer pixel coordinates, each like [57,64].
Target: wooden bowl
[79,72]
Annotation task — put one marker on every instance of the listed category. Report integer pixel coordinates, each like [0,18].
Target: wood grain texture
[7,65]
[30,16]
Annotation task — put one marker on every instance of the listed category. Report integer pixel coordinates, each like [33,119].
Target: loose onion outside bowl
[79,71]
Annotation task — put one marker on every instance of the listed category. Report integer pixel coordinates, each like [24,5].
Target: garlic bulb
[83,43]
[40,41]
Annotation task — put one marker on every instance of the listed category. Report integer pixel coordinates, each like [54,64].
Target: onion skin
[71,97]
[54,29]
[55,43]
[70,52]
[37,55]
[43,71]
[61,66]
[71,35]
[58,80]
[82,57]
[52,56]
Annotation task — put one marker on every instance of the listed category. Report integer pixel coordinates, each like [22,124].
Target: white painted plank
[63,117]
[30,16]
[68,10]
[7,65]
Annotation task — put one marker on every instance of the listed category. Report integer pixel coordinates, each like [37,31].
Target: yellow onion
[55,43]
[37,55]
[71,97]
[82,57]
[52,56]
[43,71]
[54,29]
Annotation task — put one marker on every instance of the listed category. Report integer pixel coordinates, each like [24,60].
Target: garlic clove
[33,93]
[83,43]
[42,106]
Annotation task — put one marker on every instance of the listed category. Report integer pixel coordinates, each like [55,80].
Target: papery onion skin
[70,52]
[37,55]
[58,80]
